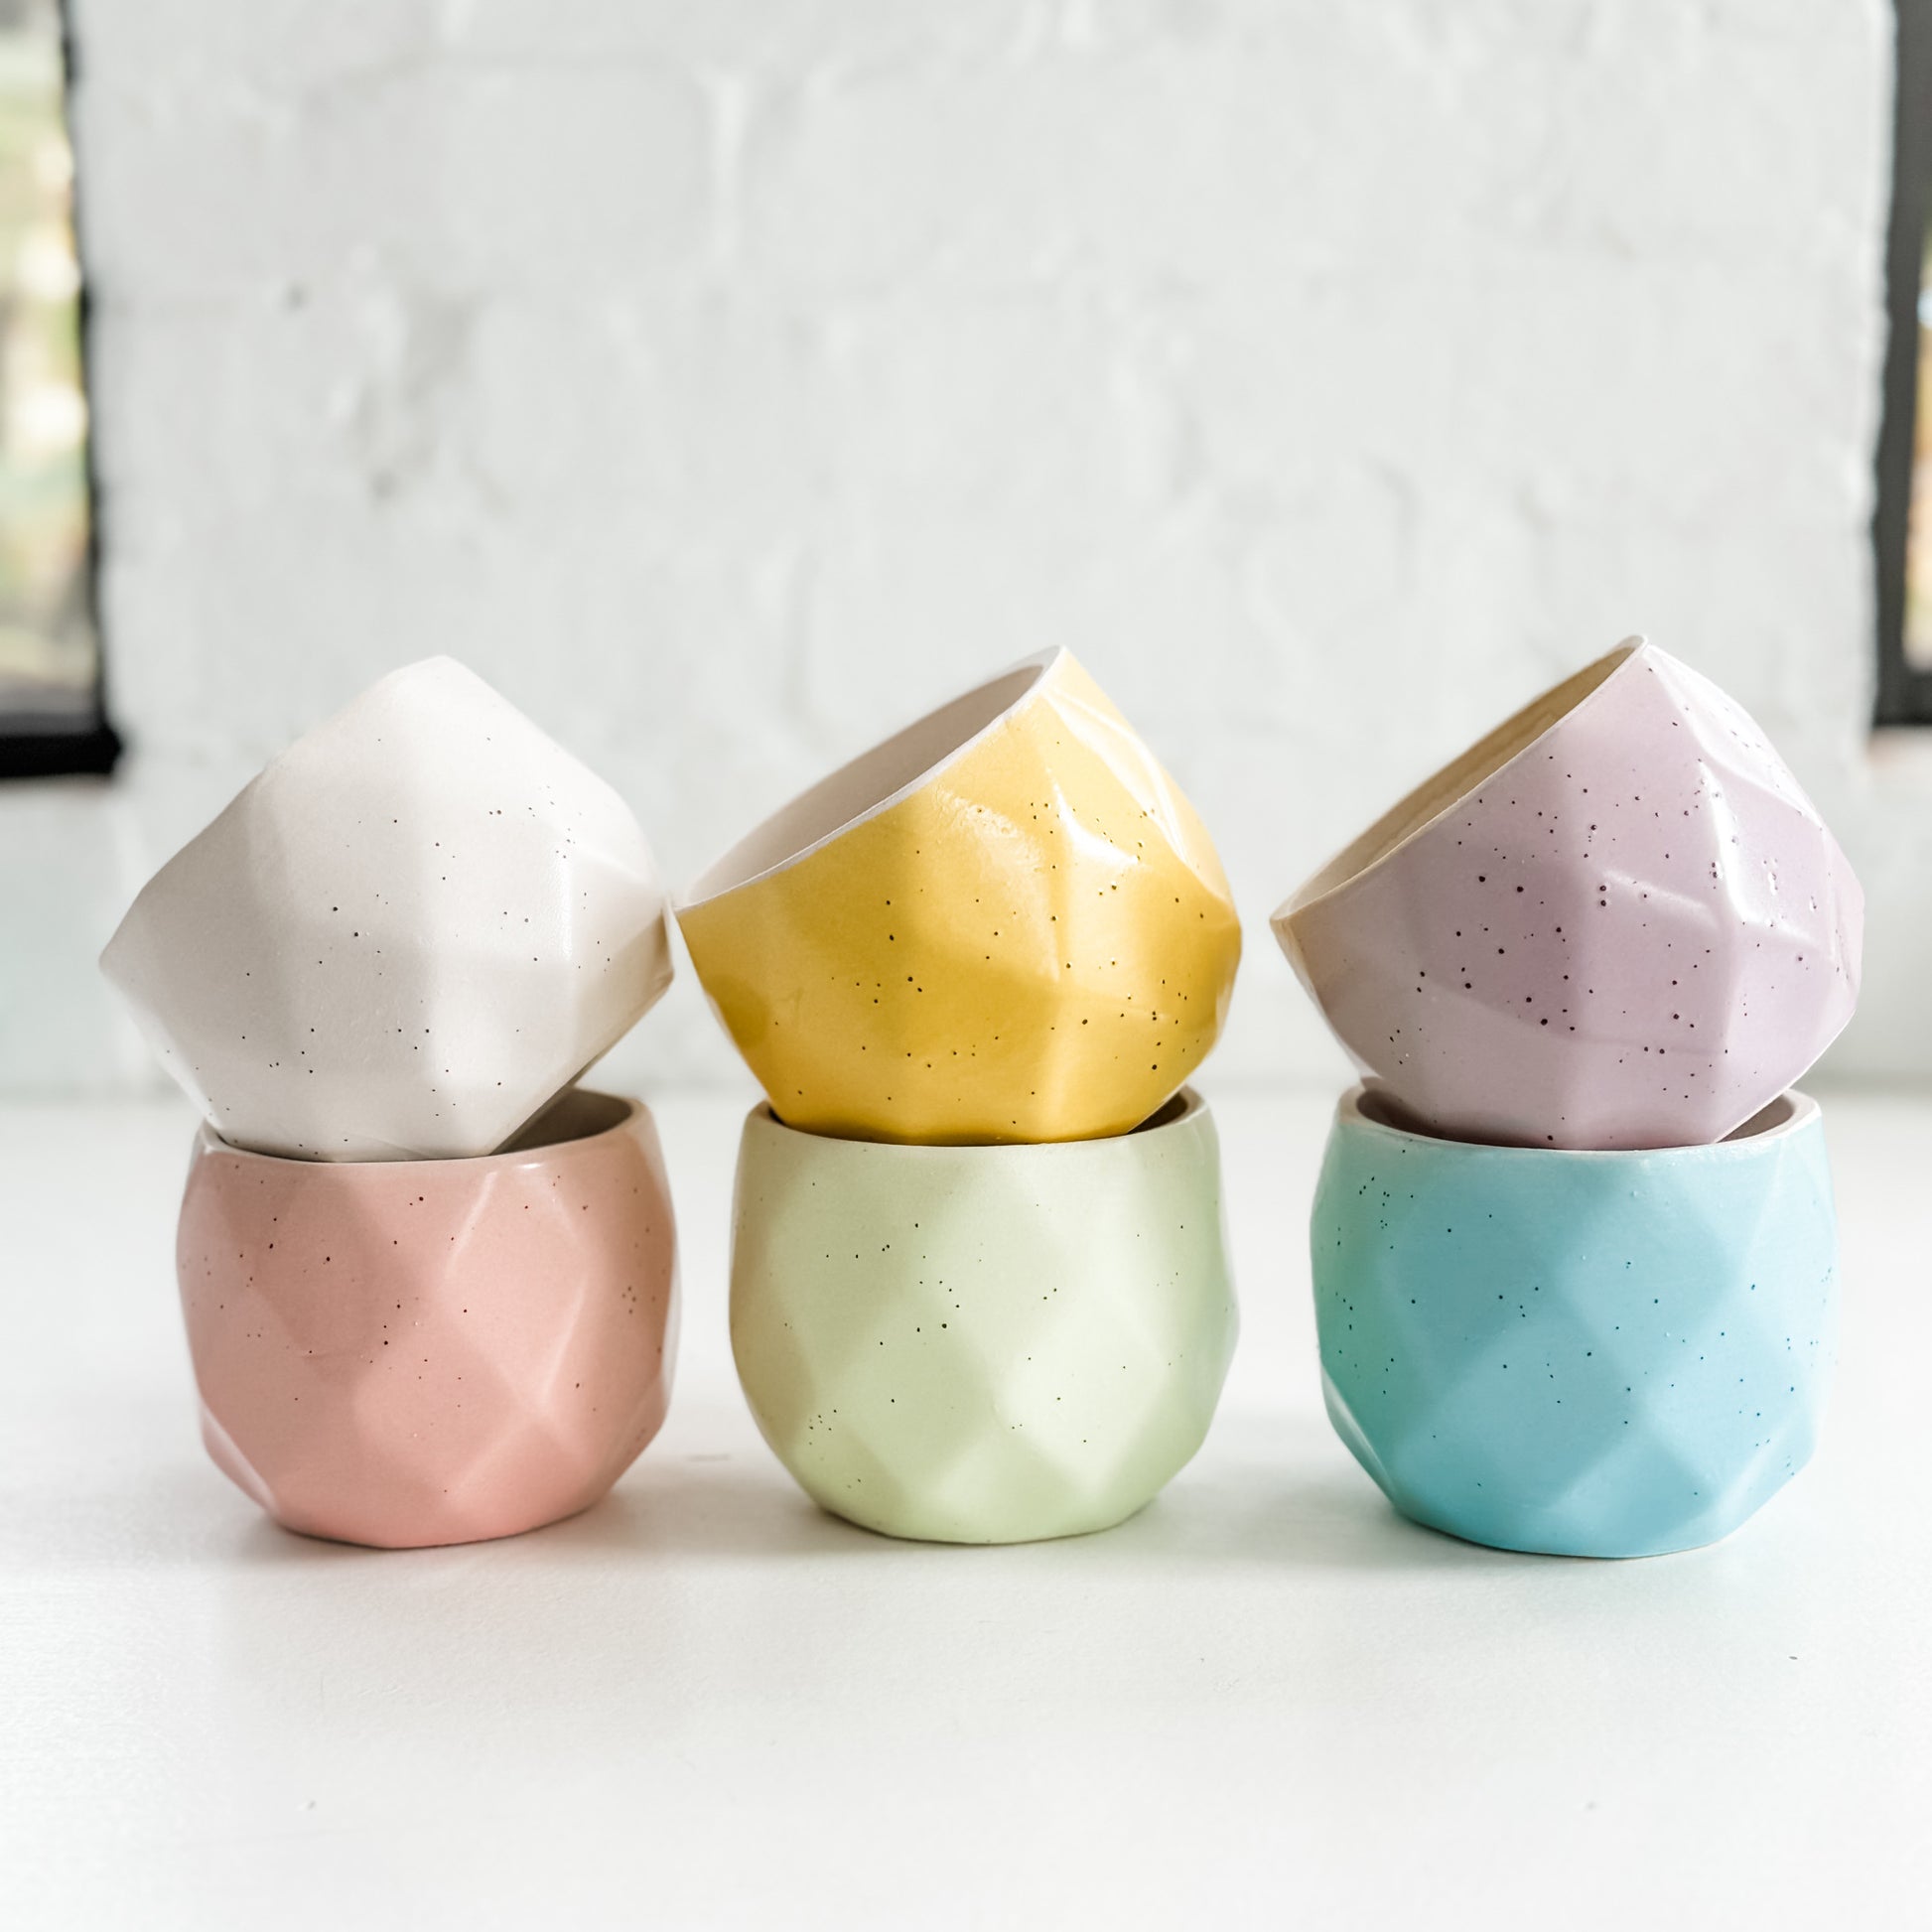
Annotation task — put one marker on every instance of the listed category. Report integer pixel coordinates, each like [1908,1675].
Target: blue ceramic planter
[1605,1354]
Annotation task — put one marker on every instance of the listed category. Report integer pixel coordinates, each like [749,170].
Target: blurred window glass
[1918,544]
[52,717]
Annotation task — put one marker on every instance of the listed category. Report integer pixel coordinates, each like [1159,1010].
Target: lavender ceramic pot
[1614,923]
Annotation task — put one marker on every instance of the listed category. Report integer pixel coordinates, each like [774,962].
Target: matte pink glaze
[405,1354]
[1634,932]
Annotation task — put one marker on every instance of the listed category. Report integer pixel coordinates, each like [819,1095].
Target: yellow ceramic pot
[1003,923]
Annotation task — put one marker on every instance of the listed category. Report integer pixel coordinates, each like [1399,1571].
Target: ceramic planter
[417,1353]
[1003,923]
[408,934]
[1615,922]
[981,1345]
[1588,1353]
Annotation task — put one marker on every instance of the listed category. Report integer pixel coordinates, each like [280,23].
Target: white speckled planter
[983,1344]
[404,938]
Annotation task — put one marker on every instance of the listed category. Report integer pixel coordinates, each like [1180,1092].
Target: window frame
[1904,691]
[90,746]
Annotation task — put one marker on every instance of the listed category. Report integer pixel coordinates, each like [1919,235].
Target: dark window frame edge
[1904,694]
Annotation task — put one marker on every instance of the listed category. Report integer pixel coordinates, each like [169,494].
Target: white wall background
[728,382]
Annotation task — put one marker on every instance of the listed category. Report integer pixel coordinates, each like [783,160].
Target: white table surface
[1267,1700]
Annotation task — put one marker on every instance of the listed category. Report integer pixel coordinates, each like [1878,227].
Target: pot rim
[207,1141]
[1375,844]
[1181,1108]
[1796,1111]
[723,876]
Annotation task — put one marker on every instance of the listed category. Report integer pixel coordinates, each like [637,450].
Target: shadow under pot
[983,1344]
[1601,1354]
[407,1353]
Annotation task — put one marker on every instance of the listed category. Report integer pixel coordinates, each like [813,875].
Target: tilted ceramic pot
[1615,922]
[1005,923]
[1598,1354]
[404,938]
[981,1345]
[406,1353]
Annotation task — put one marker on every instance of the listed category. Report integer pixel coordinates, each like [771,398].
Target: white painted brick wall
[726,381]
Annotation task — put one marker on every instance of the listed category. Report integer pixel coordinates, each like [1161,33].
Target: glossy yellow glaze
[1038,943]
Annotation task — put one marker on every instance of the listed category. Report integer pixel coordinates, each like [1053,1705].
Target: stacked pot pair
[430,1284]
[980,1291]
[1574,1252]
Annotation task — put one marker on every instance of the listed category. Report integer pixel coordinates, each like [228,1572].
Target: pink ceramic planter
[1615,922]
[405,1354]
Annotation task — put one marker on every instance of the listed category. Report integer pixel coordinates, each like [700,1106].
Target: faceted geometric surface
[983,1344]
[1005,923]
[1633,930]
[404,938]
[1588,1354]
[413,1354]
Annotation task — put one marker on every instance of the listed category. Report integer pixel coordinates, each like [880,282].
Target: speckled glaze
[404,938]
[1594,1355]
[1005,923]
[1615,922]
[981,1345]
[405,1354]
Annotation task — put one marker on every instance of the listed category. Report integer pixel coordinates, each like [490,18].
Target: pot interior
[1378,1105]
[1457,780]
[575,1115]
[1176,1107]
[1167,1114]
[875,779]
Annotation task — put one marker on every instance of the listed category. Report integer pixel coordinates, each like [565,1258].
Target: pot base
[982,1537]
[1524,1540]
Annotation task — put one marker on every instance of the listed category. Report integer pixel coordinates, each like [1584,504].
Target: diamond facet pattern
[1038,943]
[404,938]
[981,1345]
[1636,933]
[1590,1355]
[414,1353]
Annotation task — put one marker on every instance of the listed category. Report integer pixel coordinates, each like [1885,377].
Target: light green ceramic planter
[983,1344]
